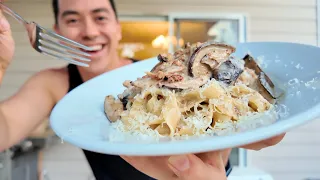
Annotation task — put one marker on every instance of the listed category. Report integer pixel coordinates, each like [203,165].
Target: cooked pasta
[173,101]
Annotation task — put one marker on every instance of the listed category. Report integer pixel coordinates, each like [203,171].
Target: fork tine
[50,40]
[64,58]
[46,45]
[68,41]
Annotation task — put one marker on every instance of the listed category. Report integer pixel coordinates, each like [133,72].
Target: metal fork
[49,43]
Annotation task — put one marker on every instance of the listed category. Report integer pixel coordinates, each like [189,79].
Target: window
[143,37]
[201,30]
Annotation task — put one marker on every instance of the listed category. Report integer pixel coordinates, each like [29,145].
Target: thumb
[190,167]
[4,24]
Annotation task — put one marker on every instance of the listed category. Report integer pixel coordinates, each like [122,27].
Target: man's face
[92,23]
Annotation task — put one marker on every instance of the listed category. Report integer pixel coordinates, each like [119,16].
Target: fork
[49,43]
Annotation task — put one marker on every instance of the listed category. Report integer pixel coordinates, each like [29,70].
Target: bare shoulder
[56,80]
[35,100]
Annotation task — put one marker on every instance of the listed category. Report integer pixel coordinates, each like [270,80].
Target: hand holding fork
[42,40]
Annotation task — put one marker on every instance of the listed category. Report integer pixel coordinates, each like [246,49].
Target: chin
[97,66]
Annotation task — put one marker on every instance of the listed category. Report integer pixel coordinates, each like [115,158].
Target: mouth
[95,49]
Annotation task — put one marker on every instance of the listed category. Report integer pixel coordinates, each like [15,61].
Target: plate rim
[254,135]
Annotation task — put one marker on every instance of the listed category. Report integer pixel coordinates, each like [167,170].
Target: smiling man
[93,23]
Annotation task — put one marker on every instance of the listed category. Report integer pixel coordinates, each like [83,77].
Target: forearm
[2,72]
[3,124]
[3,132]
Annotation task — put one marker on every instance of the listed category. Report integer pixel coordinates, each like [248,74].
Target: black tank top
[104,166]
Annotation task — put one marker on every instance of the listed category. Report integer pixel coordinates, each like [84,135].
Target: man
[92,23]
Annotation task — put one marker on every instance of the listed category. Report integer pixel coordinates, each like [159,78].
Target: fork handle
[13,14]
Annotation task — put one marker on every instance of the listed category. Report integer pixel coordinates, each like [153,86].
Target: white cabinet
[5,166]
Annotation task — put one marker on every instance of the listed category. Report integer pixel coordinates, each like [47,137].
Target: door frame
[210,16]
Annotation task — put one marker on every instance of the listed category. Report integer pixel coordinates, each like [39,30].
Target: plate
[79,117]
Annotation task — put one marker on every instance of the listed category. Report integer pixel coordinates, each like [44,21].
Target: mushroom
[209,62]
[112,108]
[129,93]
[217,52]
[124,101]
[228,72]
[156,67]
[162,58]
[124,98]
[143,83]
[263,84]
[185,84]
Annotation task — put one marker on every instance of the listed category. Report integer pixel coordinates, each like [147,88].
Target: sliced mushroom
[209,62]
[168,67]
[124,98]
[217,51]
[125,101]
[251,64]
[127,83]
[228,72]
[268,87]
[129,93]
[112,108]
[144,83]
[264,84]
[157,67]
[162,58]
[186,84]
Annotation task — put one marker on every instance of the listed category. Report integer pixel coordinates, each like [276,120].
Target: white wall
[296,157]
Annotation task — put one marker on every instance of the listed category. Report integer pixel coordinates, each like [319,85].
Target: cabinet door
[19,168]
[2,170]
[5,166]
[19,173]
[25,167]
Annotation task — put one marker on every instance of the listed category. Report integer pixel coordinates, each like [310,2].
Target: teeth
[96,48]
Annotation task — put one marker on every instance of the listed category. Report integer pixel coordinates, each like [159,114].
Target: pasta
[200,89]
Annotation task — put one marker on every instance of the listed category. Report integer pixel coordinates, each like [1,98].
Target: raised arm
[23,112]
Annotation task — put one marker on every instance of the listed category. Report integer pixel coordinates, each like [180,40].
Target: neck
[114,64]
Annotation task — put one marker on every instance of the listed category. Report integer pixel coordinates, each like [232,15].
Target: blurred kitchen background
[150,27]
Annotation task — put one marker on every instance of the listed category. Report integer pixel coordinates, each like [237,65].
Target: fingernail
[180,162]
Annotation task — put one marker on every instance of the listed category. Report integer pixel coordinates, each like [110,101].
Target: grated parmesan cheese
[135,123]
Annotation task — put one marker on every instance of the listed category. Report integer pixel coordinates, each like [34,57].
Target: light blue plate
[79,117]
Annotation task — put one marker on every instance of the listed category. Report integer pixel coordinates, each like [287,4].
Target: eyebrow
[100,10]
[71,12]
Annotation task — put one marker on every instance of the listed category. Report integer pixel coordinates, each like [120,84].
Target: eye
[101,18]
[72,21]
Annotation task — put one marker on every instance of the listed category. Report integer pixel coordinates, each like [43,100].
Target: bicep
[25,110]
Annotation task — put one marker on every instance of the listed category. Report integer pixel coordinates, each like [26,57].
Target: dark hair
[55,8]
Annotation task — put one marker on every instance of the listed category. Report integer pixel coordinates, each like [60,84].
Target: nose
[90,30]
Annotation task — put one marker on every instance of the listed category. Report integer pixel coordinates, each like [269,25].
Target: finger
[4,24]
[213,159]
[265,143]
[155,167]
[137,162]
[190,167]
